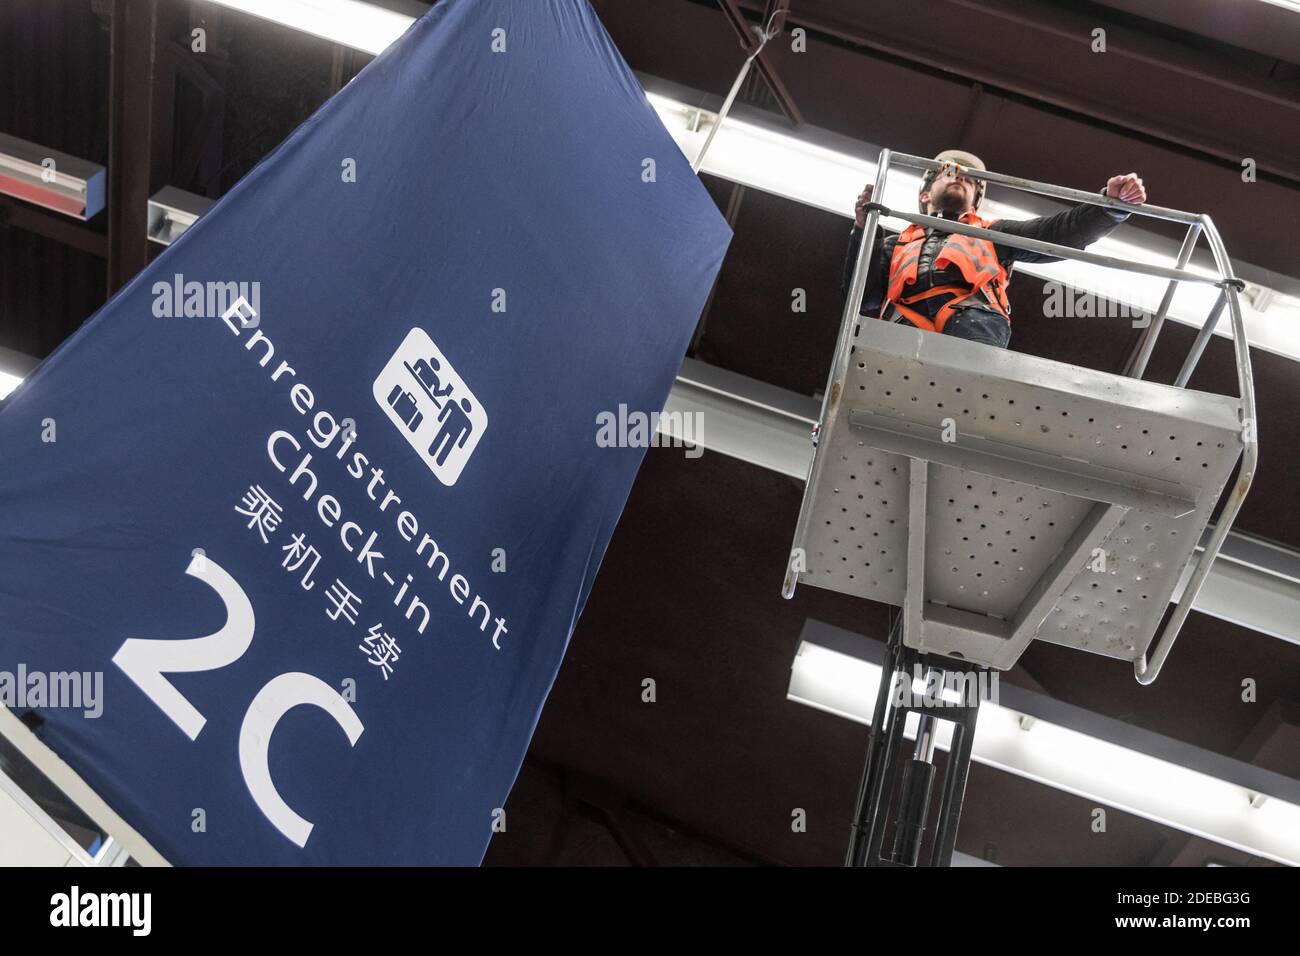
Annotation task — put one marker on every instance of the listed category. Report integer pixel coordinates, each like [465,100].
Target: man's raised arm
[1078,227]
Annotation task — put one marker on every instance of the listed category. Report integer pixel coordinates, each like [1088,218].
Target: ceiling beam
[19,215]
[774,14]
[139,130]
[1142,82]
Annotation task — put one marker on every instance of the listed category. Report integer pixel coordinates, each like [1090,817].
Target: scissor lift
[998,498]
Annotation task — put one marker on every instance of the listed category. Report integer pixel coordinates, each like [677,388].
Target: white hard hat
[963,159]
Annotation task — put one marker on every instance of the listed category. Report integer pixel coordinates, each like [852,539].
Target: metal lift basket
[999,497]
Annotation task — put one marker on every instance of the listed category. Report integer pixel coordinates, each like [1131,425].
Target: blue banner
[320,493]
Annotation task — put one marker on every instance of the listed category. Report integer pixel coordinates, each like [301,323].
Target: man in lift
[957,285]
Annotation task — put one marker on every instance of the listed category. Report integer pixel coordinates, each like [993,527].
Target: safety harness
[976,258]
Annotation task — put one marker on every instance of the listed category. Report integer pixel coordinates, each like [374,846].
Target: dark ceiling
[689,591]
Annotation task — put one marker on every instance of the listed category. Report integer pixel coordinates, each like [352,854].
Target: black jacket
[1077,228]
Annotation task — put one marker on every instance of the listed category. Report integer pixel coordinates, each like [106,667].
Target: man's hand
[1127,188]
[860,213]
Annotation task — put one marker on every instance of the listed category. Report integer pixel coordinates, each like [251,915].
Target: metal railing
[1148,666]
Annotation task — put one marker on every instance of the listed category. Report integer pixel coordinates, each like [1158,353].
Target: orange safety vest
[977,260]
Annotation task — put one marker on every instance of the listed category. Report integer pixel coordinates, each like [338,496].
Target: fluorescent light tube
[14,367]
[351,23]
[1068,760]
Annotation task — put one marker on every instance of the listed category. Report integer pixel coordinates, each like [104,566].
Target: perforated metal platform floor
[1010,497]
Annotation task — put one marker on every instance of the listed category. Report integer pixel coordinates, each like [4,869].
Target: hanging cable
[764,34]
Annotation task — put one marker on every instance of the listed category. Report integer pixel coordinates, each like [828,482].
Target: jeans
[979,325]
